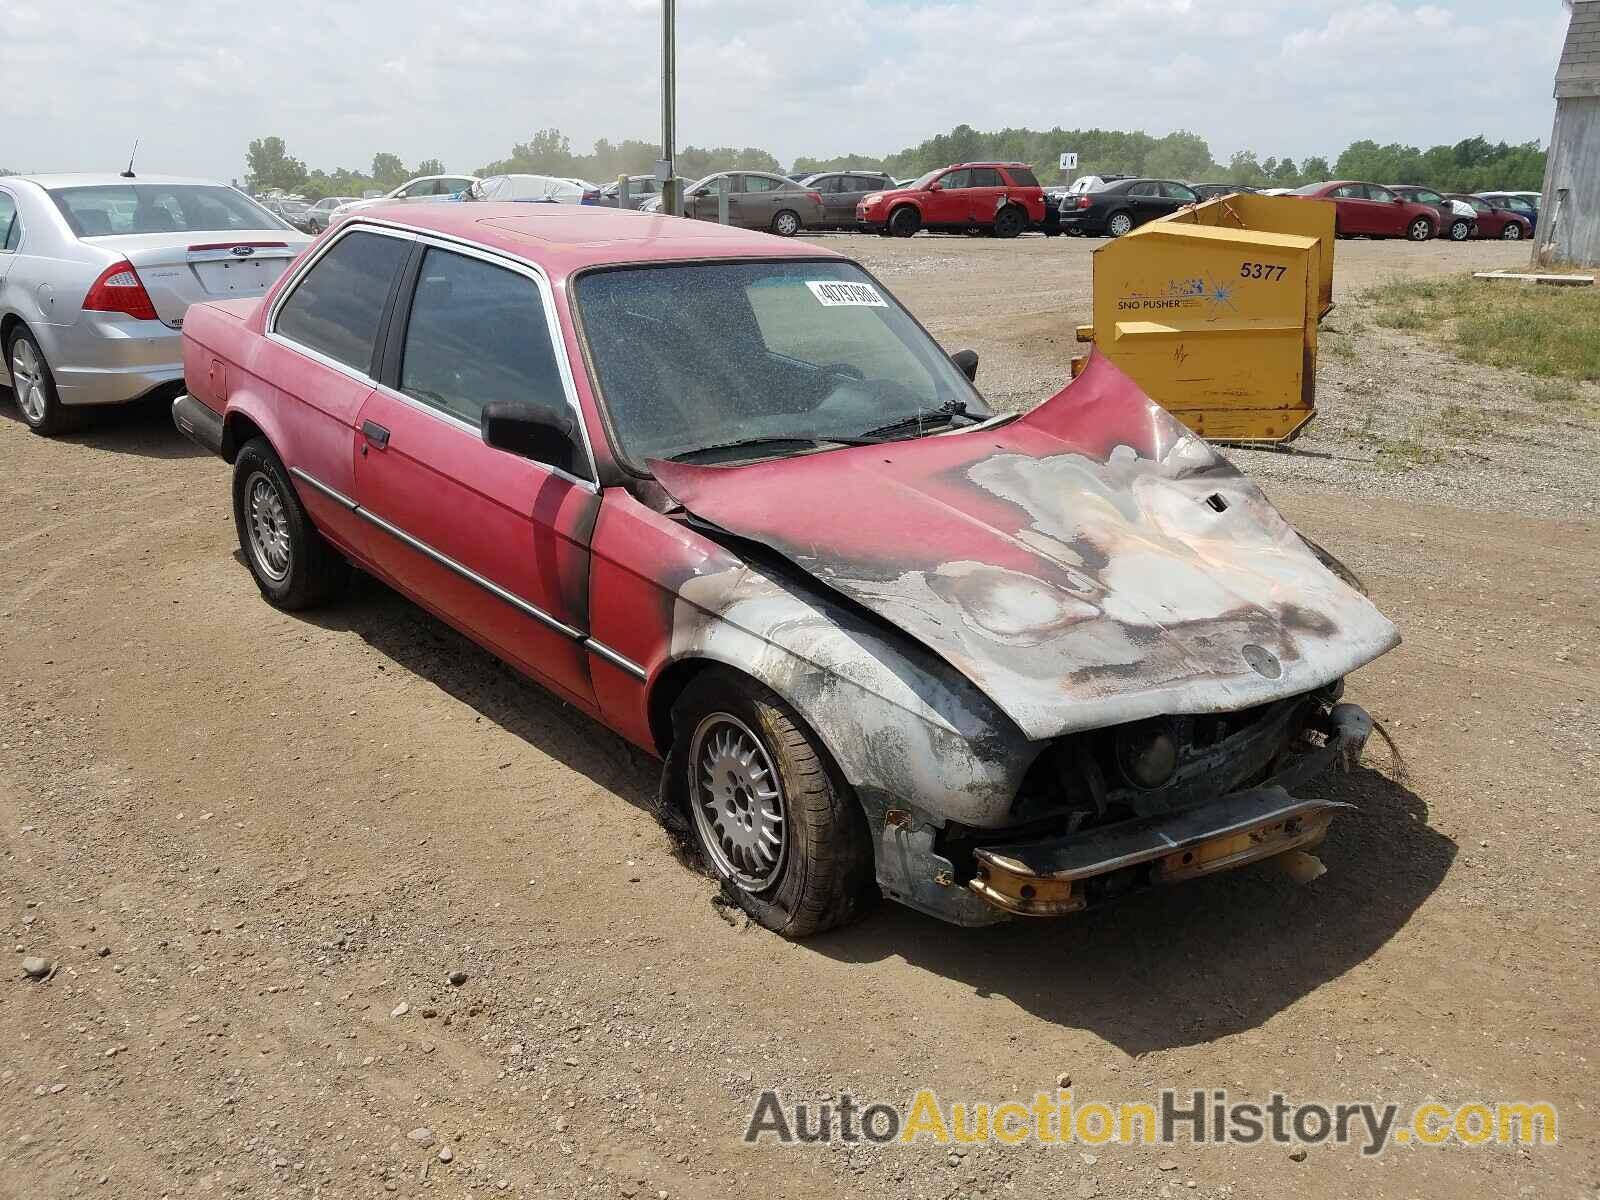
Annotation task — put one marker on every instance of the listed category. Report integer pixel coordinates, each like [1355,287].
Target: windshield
[694,356]
[922,183]
[112,209]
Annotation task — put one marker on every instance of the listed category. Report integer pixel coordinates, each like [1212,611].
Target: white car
[425,189]
[547,189]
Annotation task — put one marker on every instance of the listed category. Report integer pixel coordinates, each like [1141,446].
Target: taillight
[815,196]
[1084,202]
[118,290]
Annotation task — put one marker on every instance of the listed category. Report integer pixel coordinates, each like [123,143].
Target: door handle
[377,436]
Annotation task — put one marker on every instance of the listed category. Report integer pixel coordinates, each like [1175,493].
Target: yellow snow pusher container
[1214,312]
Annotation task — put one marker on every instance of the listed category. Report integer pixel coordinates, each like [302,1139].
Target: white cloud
[197,79]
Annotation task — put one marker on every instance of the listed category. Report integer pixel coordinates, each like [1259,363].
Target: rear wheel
[904,221]
[1119,224]
[773,823]
[292,564]
[1460,230]
[1009,222]
[1511,233]
[34,387]
[1420,230]
[786,223]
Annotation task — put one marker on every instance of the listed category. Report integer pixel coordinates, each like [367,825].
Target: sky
[462,80]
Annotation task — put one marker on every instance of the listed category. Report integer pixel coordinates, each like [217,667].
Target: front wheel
[1420,230]
[1511,233]
[773,823]
[291,563]
[1119,224]
[1460,231]
[904,222]
[1009,222]
[786,224]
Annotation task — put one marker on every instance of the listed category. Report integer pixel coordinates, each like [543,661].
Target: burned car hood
[1089,563]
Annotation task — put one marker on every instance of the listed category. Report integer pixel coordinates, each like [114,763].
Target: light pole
[666,169]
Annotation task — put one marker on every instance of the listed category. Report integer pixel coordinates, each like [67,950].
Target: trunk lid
[1088,564]
[180,269]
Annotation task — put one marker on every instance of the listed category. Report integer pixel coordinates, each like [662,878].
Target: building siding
[1569,212]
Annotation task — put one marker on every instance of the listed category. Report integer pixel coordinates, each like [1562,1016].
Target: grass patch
[1546,331]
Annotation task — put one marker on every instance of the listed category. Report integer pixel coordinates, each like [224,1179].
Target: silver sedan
[96,272]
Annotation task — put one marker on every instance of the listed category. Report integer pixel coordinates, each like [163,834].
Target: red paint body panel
[513,522]
[1373,218]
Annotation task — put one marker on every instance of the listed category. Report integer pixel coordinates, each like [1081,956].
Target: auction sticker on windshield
[831,293]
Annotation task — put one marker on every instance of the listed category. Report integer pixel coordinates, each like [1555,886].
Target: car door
[495,543]
[1388,218]
[1175,196]
[1350,201]
[1142,201]
[947,204]
[320,354]
[10,239]
[983,196]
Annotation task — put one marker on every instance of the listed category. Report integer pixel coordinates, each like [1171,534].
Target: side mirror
[967,360]
[528,432]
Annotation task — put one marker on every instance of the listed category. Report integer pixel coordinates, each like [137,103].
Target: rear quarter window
[1022,177]
[336,306]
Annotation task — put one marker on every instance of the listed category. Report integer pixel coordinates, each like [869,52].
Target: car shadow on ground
[1168,968]
[1201,960]
[418,642]
[143,428]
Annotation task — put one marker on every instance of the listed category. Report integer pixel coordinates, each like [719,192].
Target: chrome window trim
[597,647]
[16,218]
[496,258]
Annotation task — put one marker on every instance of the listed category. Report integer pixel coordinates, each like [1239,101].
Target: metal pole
[671,198]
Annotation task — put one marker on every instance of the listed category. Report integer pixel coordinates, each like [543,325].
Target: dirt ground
[247,838]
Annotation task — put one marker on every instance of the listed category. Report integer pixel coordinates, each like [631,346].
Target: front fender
[905,729]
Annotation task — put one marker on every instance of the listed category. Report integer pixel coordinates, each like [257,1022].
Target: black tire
[1511,233]
[787,223]
[1009,222]
[1119,223]
[43,412]
[904,221]
[312,572]
[825,875]
[1460,230]
[1420,230]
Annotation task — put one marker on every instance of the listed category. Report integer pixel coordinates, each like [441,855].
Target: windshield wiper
[945,414]
[775,444]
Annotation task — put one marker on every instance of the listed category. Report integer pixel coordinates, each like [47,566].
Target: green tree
[388,172]
[430,166]
[1180,155]
[271,167]
[1315,170]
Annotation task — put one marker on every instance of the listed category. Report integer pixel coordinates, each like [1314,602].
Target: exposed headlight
[871,198]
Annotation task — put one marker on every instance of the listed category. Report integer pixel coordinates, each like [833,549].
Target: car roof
[87,179]
[563,238]
[992,163]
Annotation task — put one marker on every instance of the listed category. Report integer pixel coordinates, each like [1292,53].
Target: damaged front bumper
[1057,875]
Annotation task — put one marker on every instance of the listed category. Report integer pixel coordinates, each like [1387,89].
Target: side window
[986,177]
[1022,177]
[478,334]
[955,180]
[760,183]
[1349,191]
[1142,189]
[1430,197]
[1176,191]
[1374,192]
[10,224]
[336,307]
[828,185]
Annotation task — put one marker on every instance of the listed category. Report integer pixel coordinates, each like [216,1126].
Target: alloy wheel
[738,802]
[268,523]
[27,380]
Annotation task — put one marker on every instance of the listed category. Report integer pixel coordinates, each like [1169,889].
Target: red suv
[1004,198]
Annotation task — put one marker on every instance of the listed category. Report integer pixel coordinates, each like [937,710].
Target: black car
[640,189]
[1118,207]
[1210,191]
[841,191]
[1456,226]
